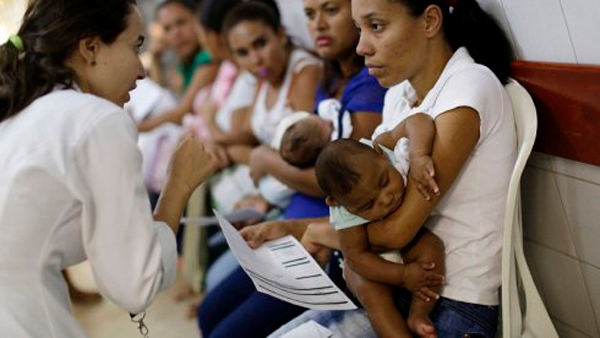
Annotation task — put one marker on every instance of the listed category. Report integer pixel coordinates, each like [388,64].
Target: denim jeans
[451,318]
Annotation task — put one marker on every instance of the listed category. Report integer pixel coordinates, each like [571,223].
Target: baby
[364,183]
[299,138]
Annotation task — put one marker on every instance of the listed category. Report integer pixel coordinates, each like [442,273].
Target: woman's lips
[324,41]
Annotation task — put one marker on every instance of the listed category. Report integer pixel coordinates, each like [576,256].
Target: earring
[93,63]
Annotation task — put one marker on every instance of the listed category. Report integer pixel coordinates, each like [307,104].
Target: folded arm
[457,133]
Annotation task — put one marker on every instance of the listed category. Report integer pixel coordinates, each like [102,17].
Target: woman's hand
[219,154]
[191,164]
[257,162]
[256,235]
[315,245]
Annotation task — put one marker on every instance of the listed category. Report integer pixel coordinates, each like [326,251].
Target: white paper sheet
[285,270]
[310,329]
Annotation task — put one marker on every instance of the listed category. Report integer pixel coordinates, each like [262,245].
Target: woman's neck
[347,65]
[277,81]
[429,74]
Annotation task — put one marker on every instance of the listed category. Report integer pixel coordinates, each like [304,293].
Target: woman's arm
[364,123]
[457,133]
[241,132]
[257,234]
[301,95]
[266,161]
[202,78]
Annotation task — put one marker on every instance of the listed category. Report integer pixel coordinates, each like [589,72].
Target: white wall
[561,198]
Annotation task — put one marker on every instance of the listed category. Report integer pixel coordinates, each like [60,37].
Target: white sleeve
[132,256]
[476,88]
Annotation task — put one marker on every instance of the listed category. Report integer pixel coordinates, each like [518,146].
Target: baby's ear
[332,202]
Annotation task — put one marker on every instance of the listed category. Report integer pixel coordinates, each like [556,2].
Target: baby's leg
[426,248]
[378,302]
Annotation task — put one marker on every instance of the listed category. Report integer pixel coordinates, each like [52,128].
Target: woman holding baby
[448,60]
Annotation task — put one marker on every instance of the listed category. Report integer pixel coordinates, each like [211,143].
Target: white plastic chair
[523,312]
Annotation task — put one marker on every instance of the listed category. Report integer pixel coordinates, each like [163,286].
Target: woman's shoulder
[80,111]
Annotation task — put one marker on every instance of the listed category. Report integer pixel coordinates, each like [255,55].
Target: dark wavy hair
[251,11]
[213,12]
[51,31]
[469,26]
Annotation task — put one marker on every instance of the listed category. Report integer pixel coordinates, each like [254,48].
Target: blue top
[362,93]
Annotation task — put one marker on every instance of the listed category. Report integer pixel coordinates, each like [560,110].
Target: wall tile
[580,201]
[592,279]
[495,8]
[539,160]
[584,27]
[544,219]
[567,298]
[540,30]
[566,331]
[583,171]
[532,263]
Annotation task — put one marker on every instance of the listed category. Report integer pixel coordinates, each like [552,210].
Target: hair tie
[17,42]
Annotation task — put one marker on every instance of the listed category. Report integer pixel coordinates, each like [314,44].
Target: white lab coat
[71,189]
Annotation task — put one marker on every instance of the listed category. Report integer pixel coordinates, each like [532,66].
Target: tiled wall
[561,216]
[561,198]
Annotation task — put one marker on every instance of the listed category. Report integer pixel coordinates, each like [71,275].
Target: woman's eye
[331,10]
[375,27]
[310,15]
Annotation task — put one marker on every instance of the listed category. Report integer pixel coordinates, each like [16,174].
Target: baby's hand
[419,277]
[422,171]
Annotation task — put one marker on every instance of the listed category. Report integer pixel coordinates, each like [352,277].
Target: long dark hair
[213,12]
[469,26]
[51,31]
[251,11]
[334,78]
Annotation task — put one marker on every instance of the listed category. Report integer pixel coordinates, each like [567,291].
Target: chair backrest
[523,312]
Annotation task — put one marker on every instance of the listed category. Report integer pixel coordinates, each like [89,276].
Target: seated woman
[230,309]
[196,67]
[451,67]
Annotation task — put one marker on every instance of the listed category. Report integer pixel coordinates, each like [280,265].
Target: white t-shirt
[470,216]
[72,189]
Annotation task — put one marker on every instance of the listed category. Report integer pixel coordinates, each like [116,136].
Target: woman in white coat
[70,170]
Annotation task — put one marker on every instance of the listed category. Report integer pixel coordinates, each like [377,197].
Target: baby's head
[359,178]
[302,142]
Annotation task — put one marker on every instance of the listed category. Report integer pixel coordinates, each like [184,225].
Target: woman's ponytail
[35,63]
[466,24]
[469,26]
[10,87]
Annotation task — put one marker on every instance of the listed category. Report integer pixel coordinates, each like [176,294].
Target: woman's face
[391,40]
[331,27]
[259,49]
[179,25]
[118,65]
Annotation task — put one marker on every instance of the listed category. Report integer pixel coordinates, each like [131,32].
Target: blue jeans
[453,318]
[235,309]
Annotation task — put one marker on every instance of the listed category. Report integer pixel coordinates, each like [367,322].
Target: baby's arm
[355,246]
[420,130]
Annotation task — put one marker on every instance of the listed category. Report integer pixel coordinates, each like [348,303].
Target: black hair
[334,78]
[334,169]
[469,26]
[51,31]
[251,11]
[213,12]
[302,145]
[190,5]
